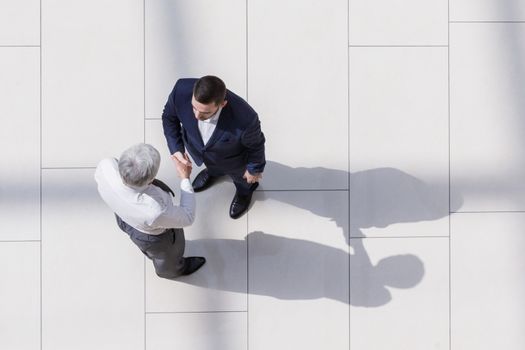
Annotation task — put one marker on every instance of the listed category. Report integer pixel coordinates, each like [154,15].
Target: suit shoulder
[183,90]
[184,85]
[240,108]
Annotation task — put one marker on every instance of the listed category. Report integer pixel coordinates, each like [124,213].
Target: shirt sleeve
[182,215]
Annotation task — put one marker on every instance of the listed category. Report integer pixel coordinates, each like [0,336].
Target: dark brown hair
[209,89]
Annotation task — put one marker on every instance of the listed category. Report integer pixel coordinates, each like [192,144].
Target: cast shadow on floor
[295,269]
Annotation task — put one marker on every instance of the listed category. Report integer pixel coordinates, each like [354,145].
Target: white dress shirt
[148,209]
[207,127]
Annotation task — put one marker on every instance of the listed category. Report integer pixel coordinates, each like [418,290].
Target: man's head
[139,164]
[209,93]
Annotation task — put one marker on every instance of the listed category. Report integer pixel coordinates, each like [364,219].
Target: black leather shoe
[202,181]
[240,204]
[192,264]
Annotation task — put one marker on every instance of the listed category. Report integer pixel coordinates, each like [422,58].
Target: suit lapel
[219,129]
[192,127]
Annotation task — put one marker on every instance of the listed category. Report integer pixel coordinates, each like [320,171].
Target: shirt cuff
[185,185]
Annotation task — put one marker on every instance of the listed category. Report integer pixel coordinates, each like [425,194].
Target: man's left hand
[251,179]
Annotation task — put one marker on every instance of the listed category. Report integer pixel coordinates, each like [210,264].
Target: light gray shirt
[148,209]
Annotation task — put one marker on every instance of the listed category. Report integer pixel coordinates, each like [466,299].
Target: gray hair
[139,164]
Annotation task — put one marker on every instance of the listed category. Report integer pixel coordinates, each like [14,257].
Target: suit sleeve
[172,125]
[253,139]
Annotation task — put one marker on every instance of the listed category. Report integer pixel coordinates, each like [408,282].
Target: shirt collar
[214,118]
[136,188]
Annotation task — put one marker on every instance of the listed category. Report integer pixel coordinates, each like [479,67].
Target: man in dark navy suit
[217,128]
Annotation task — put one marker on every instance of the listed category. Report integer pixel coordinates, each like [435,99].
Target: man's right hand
[183,165]
[182,158]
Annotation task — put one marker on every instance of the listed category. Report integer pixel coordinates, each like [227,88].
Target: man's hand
[182,158]
[252,178]
[183,168]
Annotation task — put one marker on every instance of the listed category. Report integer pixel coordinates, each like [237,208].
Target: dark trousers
[165,250]
[242,187]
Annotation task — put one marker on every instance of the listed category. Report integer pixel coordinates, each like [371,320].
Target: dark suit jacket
[237,142]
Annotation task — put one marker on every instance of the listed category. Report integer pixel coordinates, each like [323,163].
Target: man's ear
[224,103]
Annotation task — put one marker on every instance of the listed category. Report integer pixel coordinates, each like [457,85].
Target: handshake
[182,164]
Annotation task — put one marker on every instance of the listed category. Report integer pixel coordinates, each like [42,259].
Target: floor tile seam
[194,312]
[399,237]
[22,241]
[488,22]
[349,166]
[145,304]
[68,168]
[489,212]
[449,330]
[19,46]
[41,165]
[144,275]
[305,190]
[396,46]
[247,84]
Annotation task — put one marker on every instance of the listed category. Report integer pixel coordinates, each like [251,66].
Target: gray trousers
[165,250]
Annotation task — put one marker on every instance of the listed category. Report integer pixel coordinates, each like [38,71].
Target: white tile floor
[390,215]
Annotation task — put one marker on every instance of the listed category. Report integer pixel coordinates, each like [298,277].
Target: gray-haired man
[144,208]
